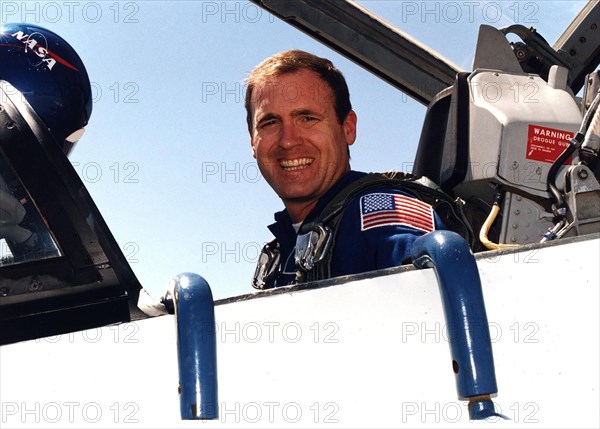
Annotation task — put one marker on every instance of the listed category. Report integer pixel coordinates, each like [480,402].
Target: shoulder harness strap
[267,266]
[316,239]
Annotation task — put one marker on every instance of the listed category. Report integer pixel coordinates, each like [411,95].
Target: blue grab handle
[462,298]
[196,347]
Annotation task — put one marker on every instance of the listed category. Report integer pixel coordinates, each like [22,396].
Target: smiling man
[336,221]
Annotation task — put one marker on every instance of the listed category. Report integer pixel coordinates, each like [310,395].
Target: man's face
[300,147]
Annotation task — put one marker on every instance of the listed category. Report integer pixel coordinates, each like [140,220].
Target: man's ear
[350,127]
[253,148]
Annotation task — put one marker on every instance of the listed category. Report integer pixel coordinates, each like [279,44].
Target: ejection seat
[492,139]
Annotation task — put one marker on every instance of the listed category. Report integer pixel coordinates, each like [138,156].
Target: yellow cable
[485,228]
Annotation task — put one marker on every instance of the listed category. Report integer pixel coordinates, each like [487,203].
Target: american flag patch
[392,209]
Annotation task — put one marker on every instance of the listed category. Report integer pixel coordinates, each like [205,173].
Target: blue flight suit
[364,242]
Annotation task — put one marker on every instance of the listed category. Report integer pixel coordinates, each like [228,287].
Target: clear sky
[166,155]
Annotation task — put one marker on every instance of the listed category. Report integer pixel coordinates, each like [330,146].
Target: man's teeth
[296,164]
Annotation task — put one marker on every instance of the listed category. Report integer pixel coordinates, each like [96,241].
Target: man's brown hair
[295,60]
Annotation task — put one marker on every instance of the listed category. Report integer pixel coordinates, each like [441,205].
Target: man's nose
[290,136]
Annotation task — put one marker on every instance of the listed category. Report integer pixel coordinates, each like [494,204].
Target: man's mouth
[295,164]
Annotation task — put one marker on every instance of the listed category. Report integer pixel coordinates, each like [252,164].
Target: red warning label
[546,144]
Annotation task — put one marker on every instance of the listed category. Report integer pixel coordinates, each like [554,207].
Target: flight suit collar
[283,230]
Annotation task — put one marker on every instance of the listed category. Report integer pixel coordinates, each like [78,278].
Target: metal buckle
[267,266]
[313,246]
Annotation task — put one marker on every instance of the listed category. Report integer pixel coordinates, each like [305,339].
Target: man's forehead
[299,86]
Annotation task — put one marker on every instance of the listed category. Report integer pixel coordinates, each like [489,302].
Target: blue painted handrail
[460,287]
[196,347]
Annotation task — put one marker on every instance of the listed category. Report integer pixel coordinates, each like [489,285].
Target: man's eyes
[303,120]
[308,120]
[267,123]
